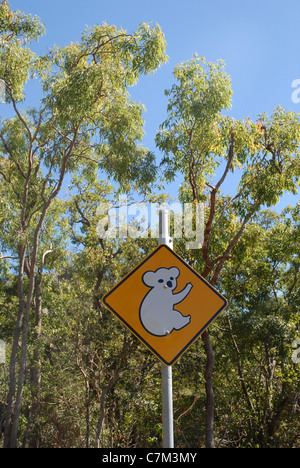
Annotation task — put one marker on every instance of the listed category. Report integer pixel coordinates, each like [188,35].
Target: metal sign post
[144,302]
[166,372]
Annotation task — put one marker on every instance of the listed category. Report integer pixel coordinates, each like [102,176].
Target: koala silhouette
[157,313]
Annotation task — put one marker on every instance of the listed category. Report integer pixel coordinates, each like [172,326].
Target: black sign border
[184,349]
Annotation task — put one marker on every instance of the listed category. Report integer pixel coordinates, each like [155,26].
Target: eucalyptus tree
[207,147]
[85,115]
[262,283]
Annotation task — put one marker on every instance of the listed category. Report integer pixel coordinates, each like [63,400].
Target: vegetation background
[74,377]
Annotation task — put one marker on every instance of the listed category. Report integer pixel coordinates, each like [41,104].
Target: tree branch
[2,257]
[234,241]
[208,228]
[84,220]
[18,113]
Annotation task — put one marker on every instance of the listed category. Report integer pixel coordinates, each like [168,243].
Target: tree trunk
[35,371]
[101,417]
[210,398]
[14,352]
[14,403]
[36,365]
[36,375]
[17,409]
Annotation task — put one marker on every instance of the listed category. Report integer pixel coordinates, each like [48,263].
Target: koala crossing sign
[165,303]
[157,313]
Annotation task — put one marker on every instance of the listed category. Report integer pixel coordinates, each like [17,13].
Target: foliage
[85,120]
[206,147]
[74,376]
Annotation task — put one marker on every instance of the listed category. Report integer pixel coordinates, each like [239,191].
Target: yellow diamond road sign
[165,303]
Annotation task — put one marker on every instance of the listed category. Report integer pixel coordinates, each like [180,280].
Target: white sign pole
[167,397]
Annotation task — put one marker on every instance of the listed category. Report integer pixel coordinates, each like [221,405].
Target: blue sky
[258,39]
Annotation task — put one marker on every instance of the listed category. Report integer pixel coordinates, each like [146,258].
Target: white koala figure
[157,313]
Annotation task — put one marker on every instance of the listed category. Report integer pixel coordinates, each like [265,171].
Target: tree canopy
[73,376]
